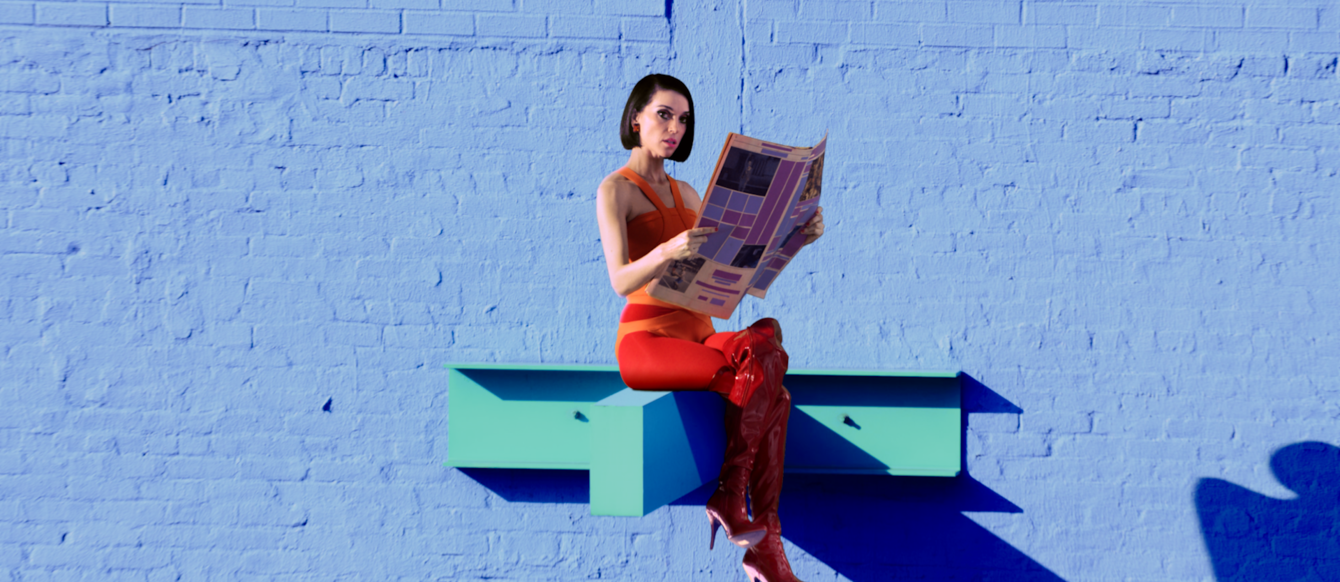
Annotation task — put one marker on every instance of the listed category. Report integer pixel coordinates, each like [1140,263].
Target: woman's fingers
[815,227]
[698,236]
[686,243]
[816,222]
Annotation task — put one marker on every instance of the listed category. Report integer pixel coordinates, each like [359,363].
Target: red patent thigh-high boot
[759,364]
[766,561]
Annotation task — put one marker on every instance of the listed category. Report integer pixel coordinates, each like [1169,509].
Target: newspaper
[760,197]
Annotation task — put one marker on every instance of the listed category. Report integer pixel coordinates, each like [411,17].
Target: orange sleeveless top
[645,232]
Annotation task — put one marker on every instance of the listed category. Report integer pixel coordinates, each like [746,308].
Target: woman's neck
[650,167]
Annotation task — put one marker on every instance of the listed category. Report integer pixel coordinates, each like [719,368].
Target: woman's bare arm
[627,277]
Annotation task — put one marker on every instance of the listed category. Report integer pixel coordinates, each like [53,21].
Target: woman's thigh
[651,362]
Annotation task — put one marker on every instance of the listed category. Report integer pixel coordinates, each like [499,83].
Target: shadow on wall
[1255,538]
[871,528]
[864,527]
[877,527]
[535,485]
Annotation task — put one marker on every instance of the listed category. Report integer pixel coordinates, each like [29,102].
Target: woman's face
[662,123]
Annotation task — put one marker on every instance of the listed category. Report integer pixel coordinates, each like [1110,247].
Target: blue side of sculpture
[238,240]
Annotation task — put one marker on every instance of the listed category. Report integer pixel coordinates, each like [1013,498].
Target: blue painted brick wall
[216,217]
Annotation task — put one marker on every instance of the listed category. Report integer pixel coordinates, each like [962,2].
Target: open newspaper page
[788,240]
[755,201]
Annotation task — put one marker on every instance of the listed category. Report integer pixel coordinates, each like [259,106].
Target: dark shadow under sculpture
[865,527]
[870,528]
[1255,538]
[534,485]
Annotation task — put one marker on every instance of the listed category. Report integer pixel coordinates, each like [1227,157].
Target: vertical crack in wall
[670,25]
[741,10]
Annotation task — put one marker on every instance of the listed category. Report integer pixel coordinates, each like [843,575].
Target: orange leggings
[651,362]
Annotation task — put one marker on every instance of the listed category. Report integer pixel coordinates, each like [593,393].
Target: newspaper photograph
[759,198]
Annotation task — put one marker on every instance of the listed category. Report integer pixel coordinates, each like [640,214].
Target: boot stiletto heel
[746,539]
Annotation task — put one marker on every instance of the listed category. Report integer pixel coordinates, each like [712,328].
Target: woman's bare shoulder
[615,184]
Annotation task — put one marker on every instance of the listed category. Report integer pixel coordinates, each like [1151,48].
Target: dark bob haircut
[638,99]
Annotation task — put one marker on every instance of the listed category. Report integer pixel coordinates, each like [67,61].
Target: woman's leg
[765,482]
[747,368]
[759,363]
[767,362]
[651,362]
[768,558]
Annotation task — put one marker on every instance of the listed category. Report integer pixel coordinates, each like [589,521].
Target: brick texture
[238,241]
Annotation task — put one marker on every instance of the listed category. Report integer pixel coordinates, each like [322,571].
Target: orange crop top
[645,233]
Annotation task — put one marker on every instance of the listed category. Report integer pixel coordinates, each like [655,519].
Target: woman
[645,218]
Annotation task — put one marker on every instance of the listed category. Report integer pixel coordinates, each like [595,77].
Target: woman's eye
[664,114]
[684,120]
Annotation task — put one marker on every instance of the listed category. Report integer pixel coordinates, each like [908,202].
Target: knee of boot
[769,326]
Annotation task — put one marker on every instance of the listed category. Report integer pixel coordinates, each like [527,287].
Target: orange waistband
[675,321]
[637,311]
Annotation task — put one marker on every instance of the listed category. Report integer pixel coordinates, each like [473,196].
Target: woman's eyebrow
[664,106]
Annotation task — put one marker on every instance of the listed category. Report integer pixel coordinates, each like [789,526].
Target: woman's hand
[685,243]
[815,227]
